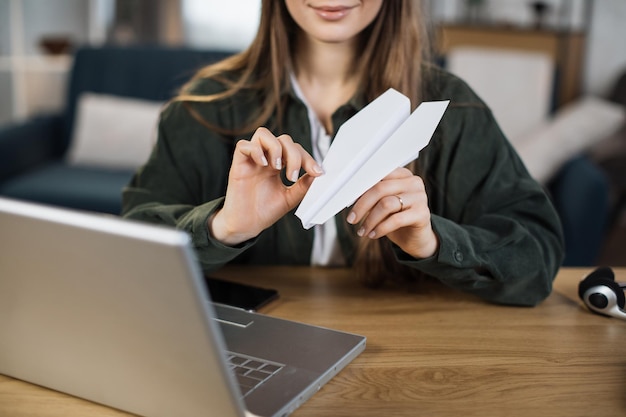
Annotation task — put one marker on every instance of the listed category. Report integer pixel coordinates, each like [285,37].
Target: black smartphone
[247,297]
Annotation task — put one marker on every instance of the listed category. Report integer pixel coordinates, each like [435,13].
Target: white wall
[61,17]
[605,60]
[231,25]
[568,13]
[606,53]
[228,25]
[30,84]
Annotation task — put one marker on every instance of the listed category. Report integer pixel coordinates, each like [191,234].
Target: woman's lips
[332,13]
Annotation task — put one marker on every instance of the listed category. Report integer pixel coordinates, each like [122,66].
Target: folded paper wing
[380,138]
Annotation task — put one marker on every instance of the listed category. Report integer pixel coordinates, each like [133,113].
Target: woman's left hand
[397,207]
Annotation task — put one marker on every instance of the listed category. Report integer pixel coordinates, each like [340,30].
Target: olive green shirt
[500,237]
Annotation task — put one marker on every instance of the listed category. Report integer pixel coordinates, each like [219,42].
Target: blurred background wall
[231,25]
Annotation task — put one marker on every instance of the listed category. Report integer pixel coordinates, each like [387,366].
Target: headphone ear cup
[598,282]
[605,272]
[599,276]
[619,293]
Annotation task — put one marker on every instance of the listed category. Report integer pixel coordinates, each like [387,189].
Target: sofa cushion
[574,129]
[113,132]
[144,72]
[83,188]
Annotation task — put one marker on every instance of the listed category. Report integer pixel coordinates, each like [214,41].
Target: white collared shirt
[326,248]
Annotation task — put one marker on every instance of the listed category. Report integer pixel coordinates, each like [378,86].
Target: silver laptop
[117,312]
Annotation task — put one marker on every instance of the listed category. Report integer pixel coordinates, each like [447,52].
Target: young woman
[239,147]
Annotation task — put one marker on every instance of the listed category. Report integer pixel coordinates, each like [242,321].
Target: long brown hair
[393,50]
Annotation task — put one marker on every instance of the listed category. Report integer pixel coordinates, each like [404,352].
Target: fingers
[386,208]
[267,150]
[264,149]
[399,182]
[246,150]
[397,201]
[295,193]
[295,158]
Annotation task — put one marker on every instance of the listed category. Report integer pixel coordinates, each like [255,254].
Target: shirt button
[458,256]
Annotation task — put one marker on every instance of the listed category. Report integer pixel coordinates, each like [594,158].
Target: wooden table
[430,352]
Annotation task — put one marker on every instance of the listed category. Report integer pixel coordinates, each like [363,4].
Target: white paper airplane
[381,137]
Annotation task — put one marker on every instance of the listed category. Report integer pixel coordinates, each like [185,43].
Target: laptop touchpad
[232,316]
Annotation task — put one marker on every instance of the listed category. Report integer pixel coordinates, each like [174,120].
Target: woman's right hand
[256,197]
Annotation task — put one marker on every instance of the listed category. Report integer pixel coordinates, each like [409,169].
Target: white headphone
[601,294]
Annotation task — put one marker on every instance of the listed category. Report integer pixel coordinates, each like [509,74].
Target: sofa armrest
[580,192]
[26,145]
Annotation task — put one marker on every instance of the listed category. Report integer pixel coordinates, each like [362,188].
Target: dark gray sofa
[32,163]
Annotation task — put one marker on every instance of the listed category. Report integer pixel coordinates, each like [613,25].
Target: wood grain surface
[431,351]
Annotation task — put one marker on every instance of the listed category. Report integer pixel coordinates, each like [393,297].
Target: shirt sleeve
[183,184]
[500,236]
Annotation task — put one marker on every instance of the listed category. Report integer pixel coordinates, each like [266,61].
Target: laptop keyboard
[251,372]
